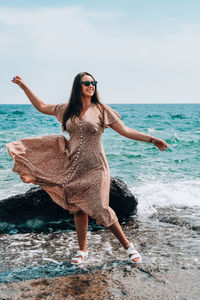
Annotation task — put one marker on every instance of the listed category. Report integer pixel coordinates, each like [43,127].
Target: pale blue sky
[143,51]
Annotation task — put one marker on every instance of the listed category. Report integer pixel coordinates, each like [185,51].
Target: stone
[34,211]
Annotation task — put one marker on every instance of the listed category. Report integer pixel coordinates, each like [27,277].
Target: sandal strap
[132,253]
[136,254]
[79,252]
[77,259]
[131,249]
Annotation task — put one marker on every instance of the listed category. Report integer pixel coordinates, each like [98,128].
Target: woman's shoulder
[61,105]
[105,108]
[102,106]
[109,109]
[59,110]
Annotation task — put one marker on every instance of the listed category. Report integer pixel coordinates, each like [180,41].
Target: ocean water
[158,178]
[167,185]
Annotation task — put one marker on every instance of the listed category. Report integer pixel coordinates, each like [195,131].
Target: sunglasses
[87,83]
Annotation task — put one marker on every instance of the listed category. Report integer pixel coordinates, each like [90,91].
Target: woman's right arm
[38,103]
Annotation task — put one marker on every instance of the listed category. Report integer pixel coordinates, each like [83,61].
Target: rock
[34,211]
[122,200]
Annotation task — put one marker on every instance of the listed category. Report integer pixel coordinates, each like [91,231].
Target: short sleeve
[59,111]
[110,116]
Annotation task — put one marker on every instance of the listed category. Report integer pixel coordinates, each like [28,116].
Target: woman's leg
[119,234]
[81,224]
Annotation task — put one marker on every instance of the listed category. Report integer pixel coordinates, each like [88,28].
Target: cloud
[75,38]
[73,32]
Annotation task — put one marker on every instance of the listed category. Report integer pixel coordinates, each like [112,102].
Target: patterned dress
[74,171]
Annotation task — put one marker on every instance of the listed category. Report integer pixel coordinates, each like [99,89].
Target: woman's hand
[42,107]
[18,80]
[160,144]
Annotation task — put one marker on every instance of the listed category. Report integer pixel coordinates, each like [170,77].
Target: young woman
[75,172]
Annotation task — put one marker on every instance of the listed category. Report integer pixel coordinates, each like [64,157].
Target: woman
[75,172]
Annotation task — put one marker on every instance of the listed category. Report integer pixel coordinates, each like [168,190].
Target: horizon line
[114,103]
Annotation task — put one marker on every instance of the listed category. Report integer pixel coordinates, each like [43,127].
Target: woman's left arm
[133,134]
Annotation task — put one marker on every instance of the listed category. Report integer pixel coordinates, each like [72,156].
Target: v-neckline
[80,119]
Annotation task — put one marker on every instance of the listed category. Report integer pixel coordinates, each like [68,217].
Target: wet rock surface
[123,283]
[37,266]
[34,211]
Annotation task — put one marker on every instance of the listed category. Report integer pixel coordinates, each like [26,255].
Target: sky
[139,51]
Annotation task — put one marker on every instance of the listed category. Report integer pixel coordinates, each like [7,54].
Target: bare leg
[119,234]
[81,224]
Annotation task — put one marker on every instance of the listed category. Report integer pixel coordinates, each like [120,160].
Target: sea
[166,184]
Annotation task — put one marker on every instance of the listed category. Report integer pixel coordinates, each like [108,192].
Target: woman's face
[87,91]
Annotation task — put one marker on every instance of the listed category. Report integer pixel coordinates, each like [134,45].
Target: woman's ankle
[83,250]
[126,246]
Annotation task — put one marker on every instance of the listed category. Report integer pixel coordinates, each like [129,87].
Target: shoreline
[170,268]
[124,282]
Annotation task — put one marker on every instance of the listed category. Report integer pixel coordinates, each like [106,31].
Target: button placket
[77,154]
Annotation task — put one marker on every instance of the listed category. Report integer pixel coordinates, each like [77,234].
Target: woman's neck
[86,102]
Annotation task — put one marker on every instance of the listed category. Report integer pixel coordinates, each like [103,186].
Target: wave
[10,113]
[17,113]
[154,116]
[153,195]
[178,116]
[151,130]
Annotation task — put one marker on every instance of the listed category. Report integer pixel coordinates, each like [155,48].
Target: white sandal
[79,259]
[134,254]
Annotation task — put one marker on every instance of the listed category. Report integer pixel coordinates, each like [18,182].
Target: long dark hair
[75,104]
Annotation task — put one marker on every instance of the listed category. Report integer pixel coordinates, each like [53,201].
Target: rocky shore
[126,283]
[36,265]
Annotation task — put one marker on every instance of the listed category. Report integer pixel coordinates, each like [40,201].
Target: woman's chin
[88,94]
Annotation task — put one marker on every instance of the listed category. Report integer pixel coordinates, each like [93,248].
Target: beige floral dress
[74,171]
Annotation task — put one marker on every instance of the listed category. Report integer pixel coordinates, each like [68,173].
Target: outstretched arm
[38,103]
[133,134]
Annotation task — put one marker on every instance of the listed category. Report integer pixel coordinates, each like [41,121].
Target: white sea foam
[51,260]
[177,137]
[151,130]
[159,194]
[13,188]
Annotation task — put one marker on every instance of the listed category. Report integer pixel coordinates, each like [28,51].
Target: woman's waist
[93,146]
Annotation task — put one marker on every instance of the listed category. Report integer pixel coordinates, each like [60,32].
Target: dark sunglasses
[87,83]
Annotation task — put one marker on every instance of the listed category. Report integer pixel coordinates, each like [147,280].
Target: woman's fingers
[18,77]
[160,144]
[18,80]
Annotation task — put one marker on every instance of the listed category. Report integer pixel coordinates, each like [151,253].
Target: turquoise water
[157,178]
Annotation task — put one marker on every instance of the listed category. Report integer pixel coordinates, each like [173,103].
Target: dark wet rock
[122,200]
[34,211]
[185,217]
